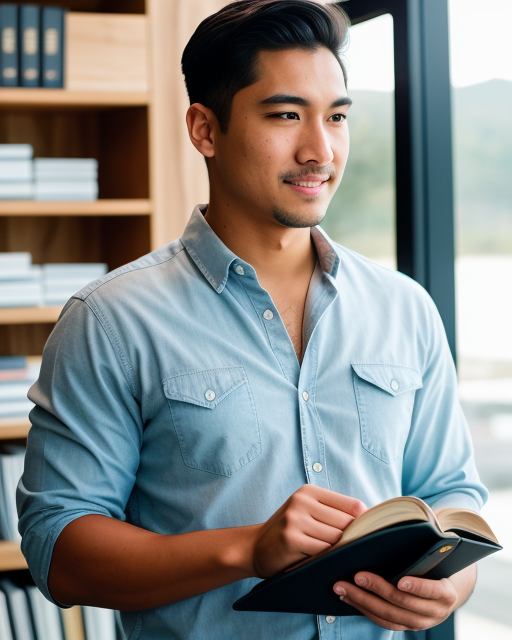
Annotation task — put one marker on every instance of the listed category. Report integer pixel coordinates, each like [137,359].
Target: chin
[296,220]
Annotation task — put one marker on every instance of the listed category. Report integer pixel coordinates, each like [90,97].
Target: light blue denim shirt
[170,396]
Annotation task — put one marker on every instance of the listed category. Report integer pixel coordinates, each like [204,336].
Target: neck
[277,253]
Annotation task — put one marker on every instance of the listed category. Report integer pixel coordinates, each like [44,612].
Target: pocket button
[394,385]
[209,395]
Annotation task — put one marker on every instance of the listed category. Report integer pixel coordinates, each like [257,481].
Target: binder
[9,68]
[29,44]
[52,45]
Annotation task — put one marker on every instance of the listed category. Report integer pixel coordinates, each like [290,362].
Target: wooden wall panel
[178,171]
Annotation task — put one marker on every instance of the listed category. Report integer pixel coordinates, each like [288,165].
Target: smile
[309,187]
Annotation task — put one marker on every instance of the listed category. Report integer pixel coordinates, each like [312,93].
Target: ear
[201,122]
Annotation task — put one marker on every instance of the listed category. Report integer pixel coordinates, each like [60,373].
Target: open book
[399,537]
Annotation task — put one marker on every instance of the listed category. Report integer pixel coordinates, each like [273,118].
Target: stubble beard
[294,220]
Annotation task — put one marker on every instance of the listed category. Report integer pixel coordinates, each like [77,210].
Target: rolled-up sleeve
[84,445]
[439,463]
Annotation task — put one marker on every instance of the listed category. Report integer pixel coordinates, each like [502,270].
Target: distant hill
[361,214]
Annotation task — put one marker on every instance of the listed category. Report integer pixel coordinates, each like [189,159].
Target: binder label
[51,42]
[8,40]
[30,41]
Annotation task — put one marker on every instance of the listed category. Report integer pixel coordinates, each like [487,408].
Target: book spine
[13,362]
[9,69]
[52,39]
[30,57]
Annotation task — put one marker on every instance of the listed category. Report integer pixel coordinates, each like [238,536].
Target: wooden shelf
[11,556]
[29,315]
[14,428]
[21,98]
[126,207]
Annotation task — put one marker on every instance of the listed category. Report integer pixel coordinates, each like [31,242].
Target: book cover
[52,44]
[30,49]
[9,67]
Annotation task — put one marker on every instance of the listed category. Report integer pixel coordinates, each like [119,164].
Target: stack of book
[25,614]
[31,46]
[20,280]
[61,281]
[65,179]
[17,375]
[16,179]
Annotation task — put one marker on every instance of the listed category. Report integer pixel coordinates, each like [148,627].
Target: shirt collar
[214,259]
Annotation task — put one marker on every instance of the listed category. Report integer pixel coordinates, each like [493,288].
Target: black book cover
[407,549]
[9,70]
[29,45]
[52,46]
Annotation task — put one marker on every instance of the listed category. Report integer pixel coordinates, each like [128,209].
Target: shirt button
[268,315]
[317,467]
[394,385]
[305,396]
[240,270]
[209,395]
[330,619]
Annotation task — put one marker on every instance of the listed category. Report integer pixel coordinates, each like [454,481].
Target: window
[481,75]
[362,213]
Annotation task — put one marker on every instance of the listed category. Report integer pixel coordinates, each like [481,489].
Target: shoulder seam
[125,269]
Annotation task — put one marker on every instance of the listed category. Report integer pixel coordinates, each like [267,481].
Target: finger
[385,613]
[331,516]
[428,589]
[321,531]
[421,615]
[351,506]
[420,595]
[380,621]
[329,498]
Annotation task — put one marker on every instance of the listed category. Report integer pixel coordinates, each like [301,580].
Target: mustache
[326,173]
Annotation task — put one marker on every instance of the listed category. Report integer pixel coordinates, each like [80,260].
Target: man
[225,406]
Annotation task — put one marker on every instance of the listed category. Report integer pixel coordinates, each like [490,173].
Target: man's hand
[415,604]
[310,521]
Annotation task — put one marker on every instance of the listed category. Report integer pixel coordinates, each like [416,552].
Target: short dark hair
[221,57]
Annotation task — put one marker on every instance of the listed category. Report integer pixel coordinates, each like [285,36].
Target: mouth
[310,186]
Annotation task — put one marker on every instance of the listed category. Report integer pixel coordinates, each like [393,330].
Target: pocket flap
[204,388]
[393,378]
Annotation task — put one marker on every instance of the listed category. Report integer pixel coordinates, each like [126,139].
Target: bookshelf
[124,103]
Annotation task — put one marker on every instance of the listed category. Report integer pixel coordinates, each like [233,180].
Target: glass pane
[362,213]
[481,72]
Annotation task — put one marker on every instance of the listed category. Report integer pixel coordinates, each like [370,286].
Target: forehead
[316,74]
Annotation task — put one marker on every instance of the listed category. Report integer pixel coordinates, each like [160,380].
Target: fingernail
[340,591]
[362,581]
[405,585]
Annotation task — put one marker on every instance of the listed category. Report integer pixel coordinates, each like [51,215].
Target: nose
[315,145]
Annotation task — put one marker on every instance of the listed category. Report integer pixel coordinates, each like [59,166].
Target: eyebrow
[282,98]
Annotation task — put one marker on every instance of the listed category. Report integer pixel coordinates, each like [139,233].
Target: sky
[480,46]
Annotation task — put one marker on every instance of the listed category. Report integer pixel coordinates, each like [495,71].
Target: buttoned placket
[304,378]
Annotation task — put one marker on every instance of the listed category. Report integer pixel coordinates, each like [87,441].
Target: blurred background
[362,217]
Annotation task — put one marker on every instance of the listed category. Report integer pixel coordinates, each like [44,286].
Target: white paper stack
[20,281]
[61,281]
[16,172]
[11,469]
[17,375]
[65,179]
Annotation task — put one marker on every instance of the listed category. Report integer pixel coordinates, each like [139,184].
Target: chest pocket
[385,400]
[215,419]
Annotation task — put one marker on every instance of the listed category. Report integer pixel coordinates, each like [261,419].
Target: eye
[286,115]
[338,117]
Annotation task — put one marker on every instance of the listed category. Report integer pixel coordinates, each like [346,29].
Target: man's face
[287,143]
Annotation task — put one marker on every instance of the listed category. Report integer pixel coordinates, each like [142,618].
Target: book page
[452,518]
